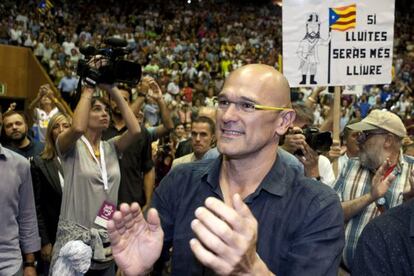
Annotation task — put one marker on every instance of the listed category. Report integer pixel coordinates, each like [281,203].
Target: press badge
[105,213]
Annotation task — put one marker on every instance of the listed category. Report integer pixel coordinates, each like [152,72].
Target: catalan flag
[44,6]
[342,18]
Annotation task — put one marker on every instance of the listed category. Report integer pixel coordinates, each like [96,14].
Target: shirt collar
[275,182]
[400,163]
[212,173]
[121,130]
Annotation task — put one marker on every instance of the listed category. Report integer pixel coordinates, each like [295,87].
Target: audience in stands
[189,50]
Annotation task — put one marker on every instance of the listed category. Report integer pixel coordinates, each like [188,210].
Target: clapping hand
[136,242]
[380,182]
[226,238]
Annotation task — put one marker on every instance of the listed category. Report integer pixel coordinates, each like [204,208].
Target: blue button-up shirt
[300,221]
[18,228]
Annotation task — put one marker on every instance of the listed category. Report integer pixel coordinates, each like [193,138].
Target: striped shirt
[354,182]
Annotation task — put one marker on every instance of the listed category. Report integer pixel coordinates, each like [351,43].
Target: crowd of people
[211,145]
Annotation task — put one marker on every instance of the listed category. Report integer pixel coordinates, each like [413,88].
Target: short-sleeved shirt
[300,221]
[83,192]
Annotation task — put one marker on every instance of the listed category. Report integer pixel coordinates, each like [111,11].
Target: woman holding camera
[92,178]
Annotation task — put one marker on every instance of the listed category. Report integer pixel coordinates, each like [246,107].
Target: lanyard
[389,171]
[102,165]
[59,166]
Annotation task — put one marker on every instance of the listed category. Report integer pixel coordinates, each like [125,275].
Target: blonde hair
[49,152]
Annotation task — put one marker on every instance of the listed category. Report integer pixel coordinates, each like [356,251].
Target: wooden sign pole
[336,124]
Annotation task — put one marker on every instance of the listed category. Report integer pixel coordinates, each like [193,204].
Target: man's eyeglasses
[245,106]
[364,135]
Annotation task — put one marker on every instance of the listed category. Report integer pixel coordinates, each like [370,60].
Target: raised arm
[136,243]
[67,139]
[63,108]
[142,89]
[167,123]
[313,98]
[150,88]
[379,187]
[130,120]
[35,102]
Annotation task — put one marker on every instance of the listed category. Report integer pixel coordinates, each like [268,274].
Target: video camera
[116,69]
[318,141]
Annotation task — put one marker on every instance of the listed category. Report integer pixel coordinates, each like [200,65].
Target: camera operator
[92,179]
[315,165]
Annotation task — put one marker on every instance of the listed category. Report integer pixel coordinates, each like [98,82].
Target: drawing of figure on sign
[308,49]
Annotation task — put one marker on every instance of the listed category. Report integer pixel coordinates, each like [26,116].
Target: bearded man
[16,138]
[377,180]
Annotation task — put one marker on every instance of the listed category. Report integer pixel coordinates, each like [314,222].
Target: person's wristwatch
[381,201]
[29,264]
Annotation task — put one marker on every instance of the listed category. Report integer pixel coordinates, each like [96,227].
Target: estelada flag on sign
[342,18]
[44,6]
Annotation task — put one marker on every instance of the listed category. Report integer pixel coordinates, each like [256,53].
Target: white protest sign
[337,42]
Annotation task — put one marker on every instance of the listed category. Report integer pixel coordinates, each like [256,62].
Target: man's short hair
[179,124]
[207,120]
[304,113]
[8,114]
[126,87]
[347,131]
[13,112]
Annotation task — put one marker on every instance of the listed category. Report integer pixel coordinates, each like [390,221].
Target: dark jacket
[48,197]
[184,147]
